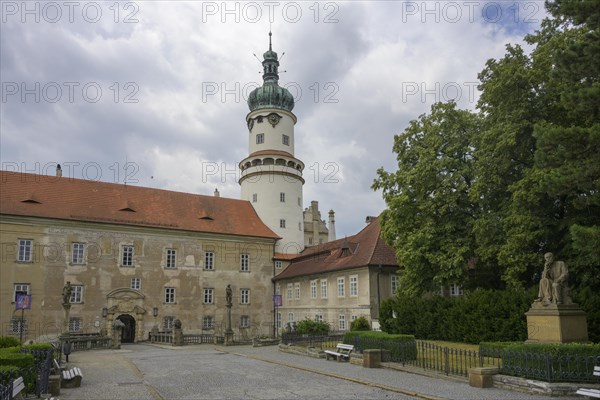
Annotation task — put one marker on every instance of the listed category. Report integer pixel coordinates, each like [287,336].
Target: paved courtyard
[144,371]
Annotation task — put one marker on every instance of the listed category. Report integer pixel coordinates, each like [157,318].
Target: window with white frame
[310,240]
[260,138]
[244,262]
[209,260]
[244,296]
[456,290]
[136,283]
[209,296]
[74,324]
[254,197]
[341,285]
[76,293]
[319,317]
[290,317]
[279,320]
[278,289]
[169,295]
[323,288]
[18,326]
[244,321]
[171,258]
[25,250]
[353,285]
[282,197]
[282,223]
[208,322]
[277,264]
[297,289]
[313,289]
[20,288]
[77,253]
[285,139]
[168,323]
[395,283]
[127,256]
[342,322]
[290,288]
[353,318]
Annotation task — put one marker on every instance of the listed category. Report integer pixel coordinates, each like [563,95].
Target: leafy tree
[313,328]
[430,216]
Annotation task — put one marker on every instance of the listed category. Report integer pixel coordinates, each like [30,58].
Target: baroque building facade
[143,256]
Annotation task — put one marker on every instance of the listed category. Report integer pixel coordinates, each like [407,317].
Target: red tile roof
[366,248]
[271,153]
[82,200]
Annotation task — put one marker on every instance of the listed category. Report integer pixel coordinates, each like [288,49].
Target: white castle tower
[271,177]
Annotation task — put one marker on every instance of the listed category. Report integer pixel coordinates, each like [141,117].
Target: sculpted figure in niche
[67,290]
[554,287]
[228,295]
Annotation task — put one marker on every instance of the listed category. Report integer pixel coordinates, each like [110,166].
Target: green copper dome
[270,94]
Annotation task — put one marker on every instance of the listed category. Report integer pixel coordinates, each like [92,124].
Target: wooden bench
[591,392]
[18,386]
[341,353]
[71,378]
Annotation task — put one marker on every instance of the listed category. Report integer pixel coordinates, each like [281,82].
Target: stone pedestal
[556,324]
[54,385]
[372,358]
[67,308]
[177,337]
[482,377]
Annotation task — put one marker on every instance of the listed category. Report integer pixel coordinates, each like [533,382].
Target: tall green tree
[430,216]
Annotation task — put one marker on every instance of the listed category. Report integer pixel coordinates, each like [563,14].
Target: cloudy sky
[153,93]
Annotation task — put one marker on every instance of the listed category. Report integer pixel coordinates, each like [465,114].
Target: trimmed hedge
[19,360]
[481,315]
[401,347]
[558,349]
[8,341]
[8,372]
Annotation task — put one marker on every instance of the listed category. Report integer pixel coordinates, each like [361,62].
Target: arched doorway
[128,333]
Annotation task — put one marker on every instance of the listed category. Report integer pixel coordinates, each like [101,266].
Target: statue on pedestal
[554,287]
[66,293]
[228,295]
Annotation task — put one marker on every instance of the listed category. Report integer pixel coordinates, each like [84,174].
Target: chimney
[331,237]
[58,170]
[217,194]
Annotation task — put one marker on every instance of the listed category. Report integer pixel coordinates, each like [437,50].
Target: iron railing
[545,367]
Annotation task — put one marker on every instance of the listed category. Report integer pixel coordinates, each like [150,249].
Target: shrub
[360,324]
[8,372]
[312,328]
[8,341]
[401,347]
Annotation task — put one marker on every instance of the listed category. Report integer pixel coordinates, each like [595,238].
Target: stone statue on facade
[554,287]
[228,295]
[66,293]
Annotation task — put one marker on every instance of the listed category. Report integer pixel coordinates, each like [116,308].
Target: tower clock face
[274,119]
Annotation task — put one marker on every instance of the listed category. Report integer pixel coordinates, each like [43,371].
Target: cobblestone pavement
[144,371]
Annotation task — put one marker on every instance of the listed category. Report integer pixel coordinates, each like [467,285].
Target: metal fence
[35,378]
[545,367]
